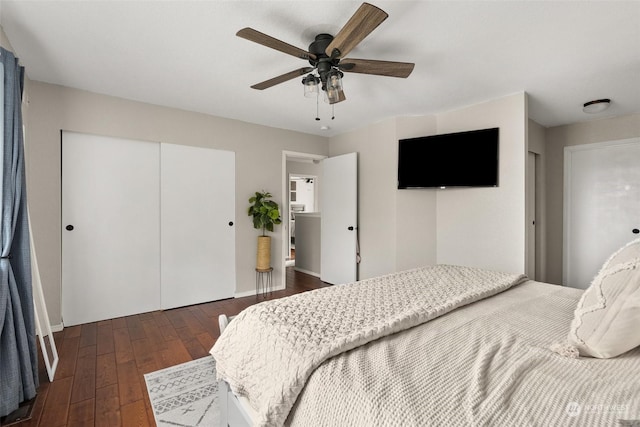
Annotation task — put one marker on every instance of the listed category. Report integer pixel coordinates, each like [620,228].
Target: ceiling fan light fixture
[597,106]
[334,80]
[311,88]
[333,95]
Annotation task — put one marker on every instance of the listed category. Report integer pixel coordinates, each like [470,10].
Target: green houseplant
[266,214]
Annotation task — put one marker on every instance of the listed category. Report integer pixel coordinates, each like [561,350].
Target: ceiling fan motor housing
[319,45]
[322,62]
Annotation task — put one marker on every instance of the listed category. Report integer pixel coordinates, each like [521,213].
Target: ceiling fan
[327,53]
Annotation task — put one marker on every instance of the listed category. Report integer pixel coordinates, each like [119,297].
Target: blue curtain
[18,351]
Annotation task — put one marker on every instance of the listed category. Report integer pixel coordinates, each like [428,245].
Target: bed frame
[235,411]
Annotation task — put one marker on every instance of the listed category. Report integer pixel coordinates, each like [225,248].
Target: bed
[440,345]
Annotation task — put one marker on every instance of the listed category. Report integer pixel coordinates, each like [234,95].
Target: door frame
[566,192]
[532,220]
[284,232]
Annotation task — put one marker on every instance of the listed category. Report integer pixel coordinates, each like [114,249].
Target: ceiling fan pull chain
[317,108]
[333,111]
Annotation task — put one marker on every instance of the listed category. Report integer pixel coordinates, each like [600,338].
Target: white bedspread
[486,364]
[268,352]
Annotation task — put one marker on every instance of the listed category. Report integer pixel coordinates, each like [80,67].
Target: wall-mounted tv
[462,159]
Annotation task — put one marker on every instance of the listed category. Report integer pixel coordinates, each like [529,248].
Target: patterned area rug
[185,395]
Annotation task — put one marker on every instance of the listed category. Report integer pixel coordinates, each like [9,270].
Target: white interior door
[110,223]
[197,225]
[339,219]
[601,206]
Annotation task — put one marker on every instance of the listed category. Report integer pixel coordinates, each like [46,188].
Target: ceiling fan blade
[273,43]
[341,97]
[361,24]
[282,78]
[379,68]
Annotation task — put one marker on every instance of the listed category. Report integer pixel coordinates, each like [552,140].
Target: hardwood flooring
[100,381]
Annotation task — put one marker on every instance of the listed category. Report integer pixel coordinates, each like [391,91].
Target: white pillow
[607,319]
[626,253]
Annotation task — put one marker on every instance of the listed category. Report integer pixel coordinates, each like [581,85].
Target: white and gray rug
[185,395]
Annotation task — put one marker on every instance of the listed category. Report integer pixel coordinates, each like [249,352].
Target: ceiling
[185,54]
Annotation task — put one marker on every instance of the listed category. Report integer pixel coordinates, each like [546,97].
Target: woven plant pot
[264,253]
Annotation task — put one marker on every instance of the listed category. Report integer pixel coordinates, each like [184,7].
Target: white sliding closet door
[197,225]
[110,223]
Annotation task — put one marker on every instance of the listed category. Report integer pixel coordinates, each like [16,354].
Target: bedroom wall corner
[4,40]
[485,227]
[416,227]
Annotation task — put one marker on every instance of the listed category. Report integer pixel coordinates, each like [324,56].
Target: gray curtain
[18,351]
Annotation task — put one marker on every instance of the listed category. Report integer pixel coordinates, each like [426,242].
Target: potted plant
[266,214]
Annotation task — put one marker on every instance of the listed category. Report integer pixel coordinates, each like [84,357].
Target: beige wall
[415,208]
[376,148]
[4,41]
[396,228]
[402,229]
[258,165]
[556,139]
[485,227]
[537,144]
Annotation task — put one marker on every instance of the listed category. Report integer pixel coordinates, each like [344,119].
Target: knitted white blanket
[268,351]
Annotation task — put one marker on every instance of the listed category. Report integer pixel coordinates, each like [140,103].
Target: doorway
[303,199]
[302,181]
[330,246]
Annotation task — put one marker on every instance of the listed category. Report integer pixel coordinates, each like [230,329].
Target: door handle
[69,227]
[350,228]
[230,223]
[635,231]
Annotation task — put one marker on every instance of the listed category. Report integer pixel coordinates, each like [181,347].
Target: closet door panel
[110,223]
[197,225]
[601,206]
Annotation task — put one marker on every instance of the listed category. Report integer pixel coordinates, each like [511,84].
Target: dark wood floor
[100,374]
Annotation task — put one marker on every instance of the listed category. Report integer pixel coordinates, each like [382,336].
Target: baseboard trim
[54,328]
[310,273]
[253,292]
[244,294]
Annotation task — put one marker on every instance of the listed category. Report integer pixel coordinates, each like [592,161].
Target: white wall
[485,227]
[609,129]
[258,165]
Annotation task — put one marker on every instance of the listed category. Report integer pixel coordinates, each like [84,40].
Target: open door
[339,222]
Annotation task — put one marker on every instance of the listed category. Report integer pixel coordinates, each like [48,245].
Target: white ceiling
[185,54]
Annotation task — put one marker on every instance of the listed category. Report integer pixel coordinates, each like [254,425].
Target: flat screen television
[462,159]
